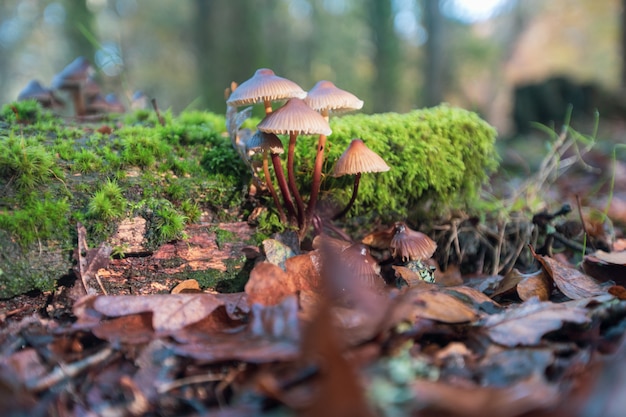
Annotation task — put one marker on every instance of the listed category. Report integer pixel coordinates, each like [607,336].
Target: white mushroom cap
[326,96]
[264,85]
[295,117]
[265,142]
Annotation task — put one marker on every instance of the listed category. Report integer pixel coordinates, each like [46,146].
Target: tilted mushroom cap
[409,244]
[359,158]
[35,91]
[294,117]
[265,142]
[362,264]
[264,85]
[326,96]
[75,74]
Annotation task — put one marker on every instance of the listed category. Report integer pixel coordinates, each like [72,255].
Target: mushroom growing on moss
[264,86]
[294,118]
[356,159]
[325,97]
[270,143]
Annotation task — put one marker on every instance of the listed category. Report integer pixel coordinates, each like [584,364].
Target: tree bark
[434,59]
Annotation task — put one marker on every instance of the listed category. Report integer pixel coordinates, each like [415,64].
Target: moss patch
[441,155]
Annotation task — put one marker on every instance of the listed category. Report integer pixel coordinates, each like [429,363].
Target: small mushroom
[73,79]
[294,118]
[362,265]
[270,143]
[325,97]
[410,245]
[35,91]
[356,159]
[264,86]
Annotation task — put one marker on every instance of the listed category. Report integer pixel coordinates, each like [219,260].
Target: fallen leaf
[571,282]
[187,286]
[534,285]
[269,284]
[606,266]
[170,311]
[438,306]
[527,324]
[443,398]
[305,270]
[475,297]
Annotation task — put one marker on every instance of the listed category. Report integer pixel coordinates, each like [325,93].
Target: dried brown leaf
[269,284]
[534,285]
[528,323]
[304,270]
[606,266]
[571,282]
[439,306]
[170,311]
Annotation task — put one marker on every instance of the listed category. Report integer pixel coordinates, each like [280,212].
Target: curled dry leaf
[606,266]
[187,286]
[527,324]
[571,282]
[534,285]
[269,284]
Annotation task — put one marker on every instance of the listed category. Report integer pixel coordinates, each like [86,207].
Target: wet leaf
[527,324]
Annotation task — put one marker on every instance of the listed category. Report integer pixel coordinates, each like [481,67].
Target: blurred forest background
[491,56]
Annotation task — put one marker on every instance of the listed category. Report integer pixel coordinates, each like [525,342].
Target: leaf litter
[314,334]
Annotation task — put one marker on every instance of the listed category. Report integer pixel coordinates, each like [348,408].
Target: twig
[63,372]
[156,110]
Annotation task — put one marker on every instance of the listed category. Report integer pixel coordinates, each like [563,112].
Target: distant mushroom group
[302,114]
[76,80]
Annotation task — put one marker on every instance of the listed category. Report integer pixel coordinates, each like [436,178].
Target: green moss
[440,155]
[38,220]
[26,164]
[108,203]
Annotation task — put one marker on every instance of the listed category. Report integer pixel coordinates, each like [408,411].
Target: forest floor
[525,318]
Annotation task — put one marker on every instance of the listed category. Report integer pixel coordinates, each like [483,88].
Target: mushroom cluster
[75,80]
[303,114]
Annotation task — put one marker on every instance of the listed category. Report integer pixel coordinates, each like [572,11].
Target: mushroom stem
[268,106]
[282,185]
[355,190]
[270,187]
[79,101]
[292,179]
[317,175]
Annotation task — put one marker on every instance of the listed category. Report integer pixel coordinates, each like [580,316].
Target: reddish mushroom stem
[282,185]
[270,187]
[317,175]
[291,177]
[355,190]
[268,106]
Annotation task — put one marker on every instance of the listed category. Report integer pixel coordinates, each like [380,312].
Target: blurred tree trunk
[623,43]
[386,55]
[79,30]
[224,33]
[434,59]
